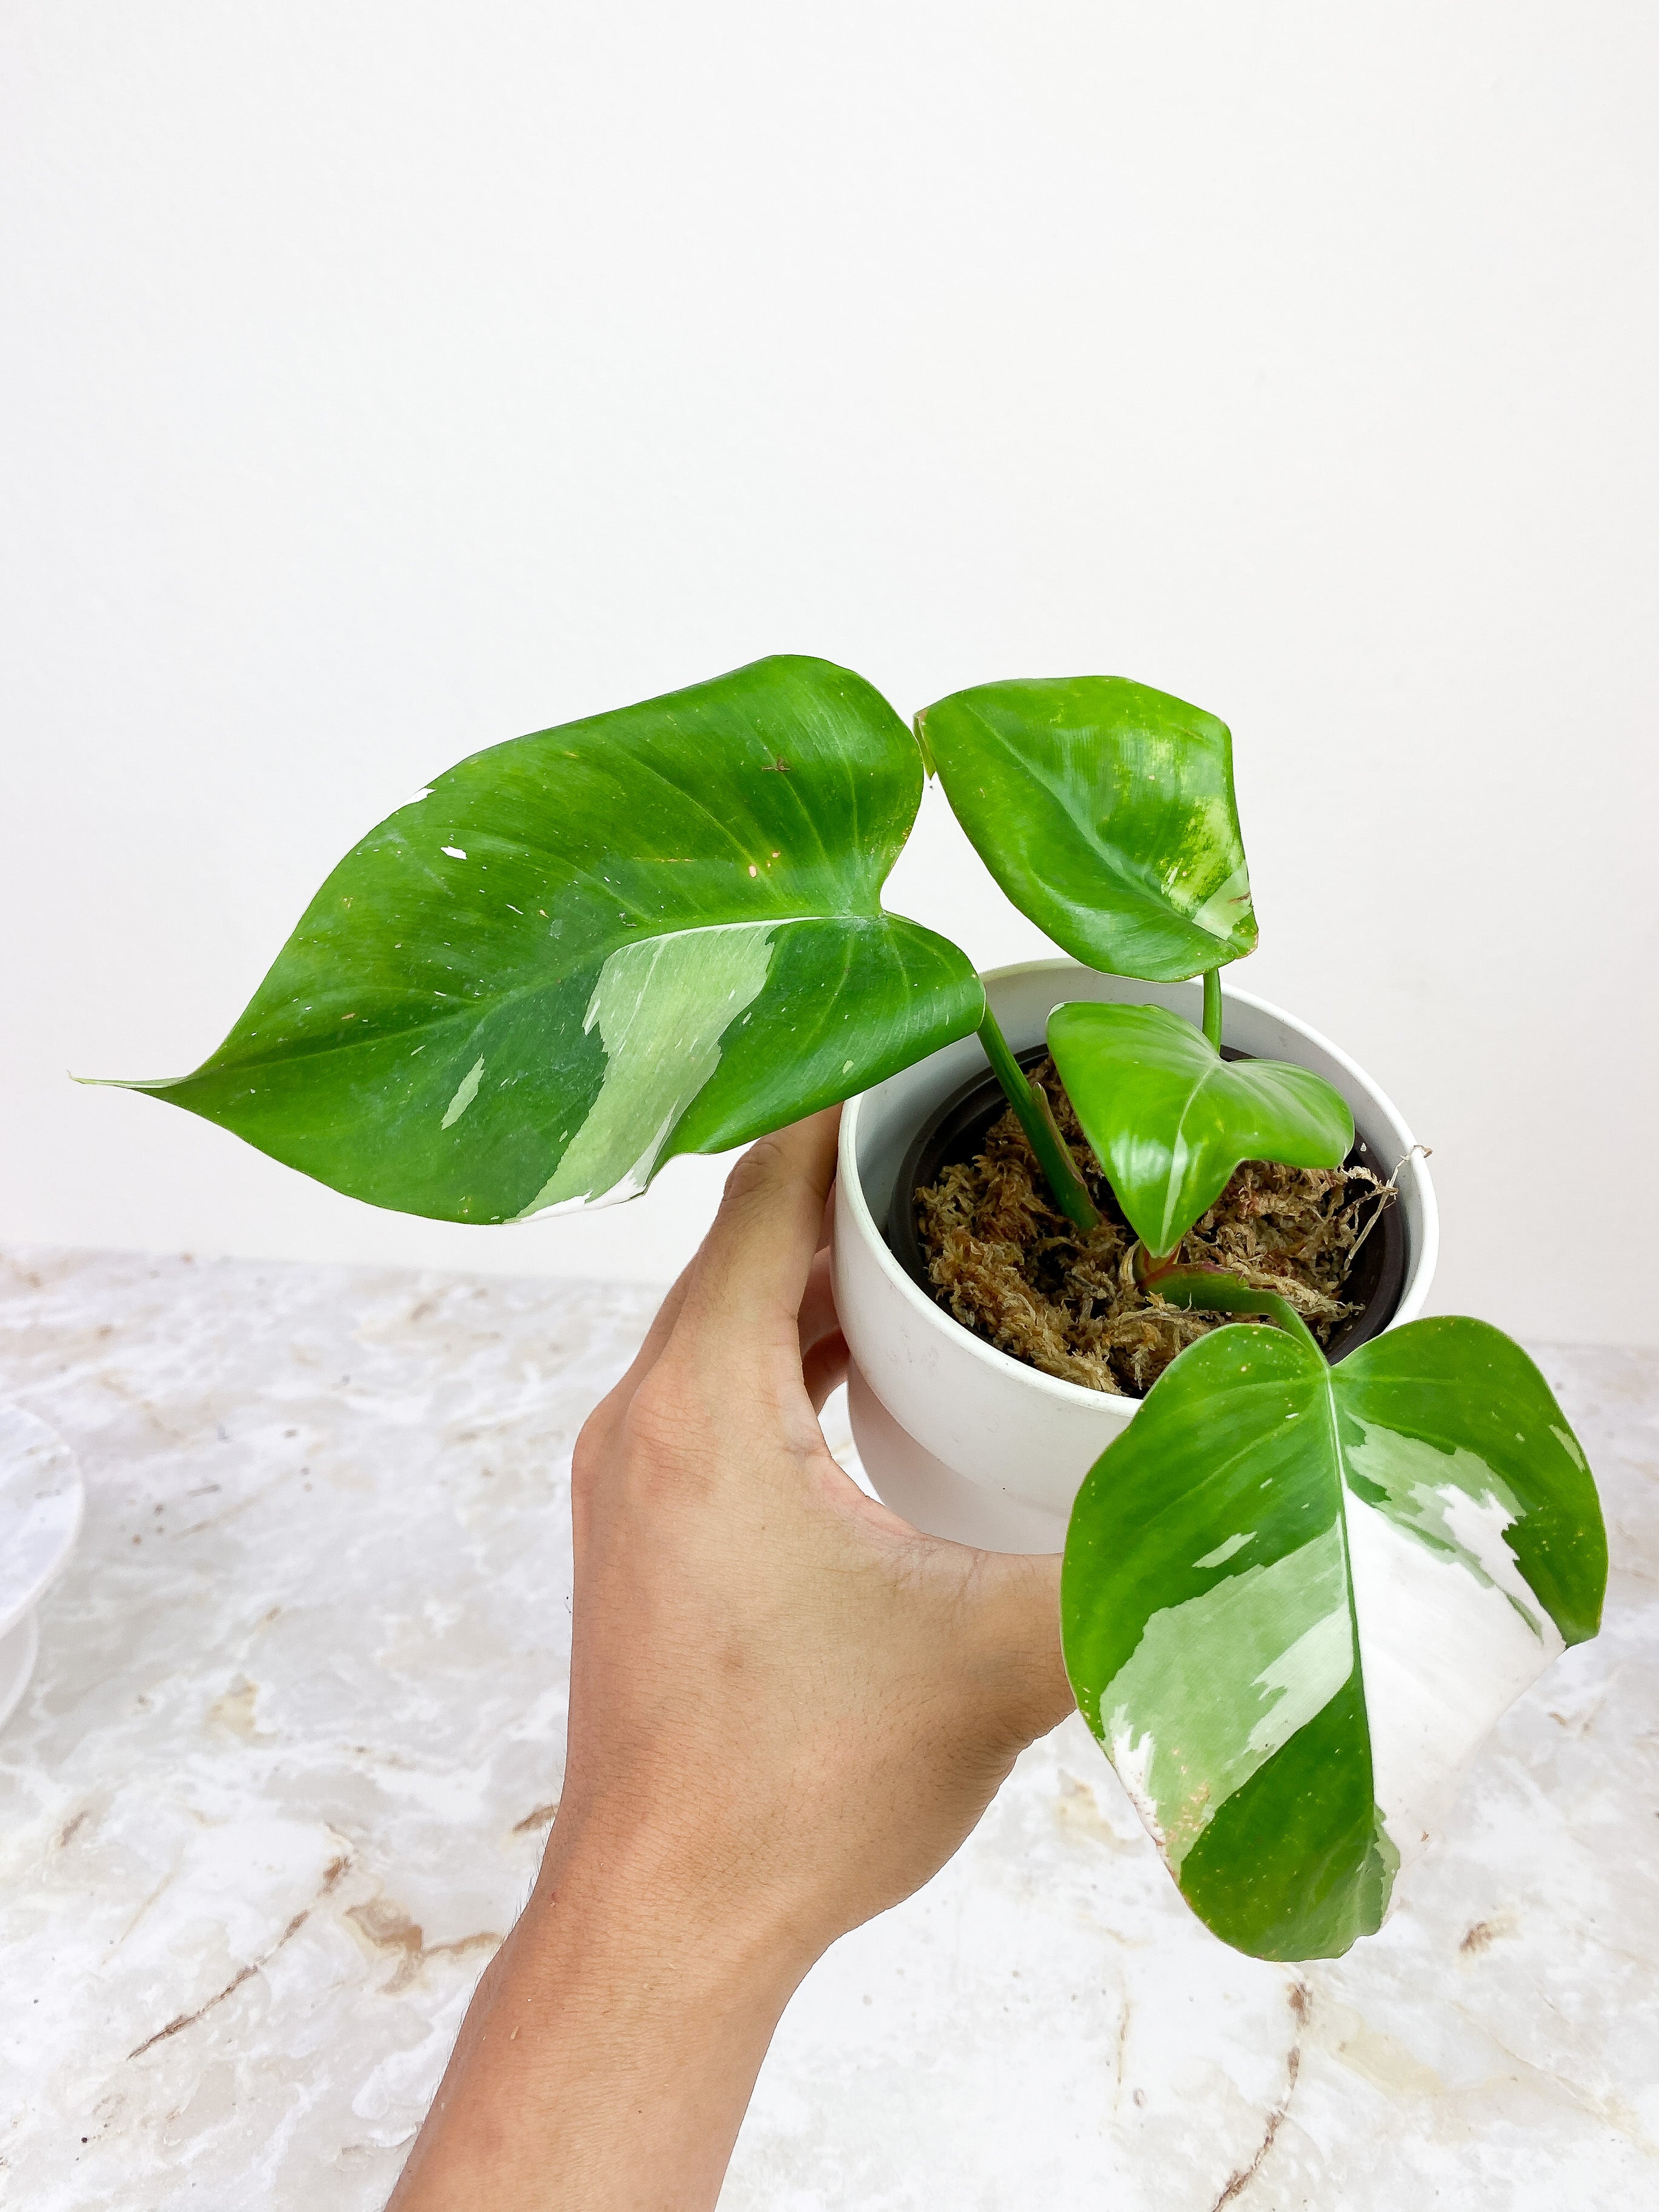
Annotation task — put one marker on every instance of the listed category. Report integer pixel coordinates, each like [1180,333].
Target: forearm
[788,1709]
[609,2055]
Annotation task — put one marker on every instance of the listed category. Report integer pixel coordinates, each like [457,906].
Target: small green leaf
[1296,1597]
[1105,810]
[1169,1119]
[656,930]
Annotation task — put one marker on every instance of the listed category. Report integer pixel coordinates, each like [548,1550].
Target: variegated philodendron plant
[1295,1596]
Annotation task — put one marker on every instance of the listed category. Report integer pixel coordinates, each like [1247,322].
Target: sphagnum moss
[1008,1264]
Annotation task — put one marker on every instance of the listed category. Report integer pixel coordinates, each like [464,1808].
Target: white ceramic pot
[958,1437]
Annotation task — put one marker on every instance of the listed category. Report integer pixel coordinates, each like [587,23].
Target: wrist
[615,2039]
[676,1908]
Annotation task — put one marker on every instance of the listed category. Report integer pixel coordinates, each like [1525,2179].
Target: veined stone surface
[285,1768]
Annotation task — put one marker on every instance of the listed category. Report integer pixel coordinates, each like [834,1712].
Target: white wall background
[385,379]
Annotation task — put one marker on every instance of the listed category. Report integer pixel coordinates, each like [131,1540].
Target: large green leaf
[1105,810]
[656,930]
[1169,1119]
[1296,1597]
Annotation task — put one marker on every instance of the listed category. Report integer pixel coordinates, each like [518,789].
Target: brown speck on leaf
[1479,1936]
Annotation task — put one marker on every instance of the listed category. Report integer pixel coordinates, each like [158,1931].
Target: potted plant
[1297,1592]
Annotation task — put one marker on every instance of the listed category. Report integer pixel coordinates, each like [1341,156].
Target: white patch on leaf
[1132,1756]
[1571,1445]
[1227,907]
[466,1090]
[1219,1683]
[1445,1651]
[1451,1501]
[1306,1678]
[1223,1553]
[662,1005]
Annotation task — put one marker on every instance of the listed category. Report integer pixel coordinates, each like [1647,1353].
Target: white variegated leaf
[580,952]
[1298,1597]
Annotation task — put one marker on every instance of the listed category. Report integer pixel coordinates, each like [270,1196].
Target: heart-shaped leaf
[1105,810]
[1169,1119]
[1296,1598]
[577,954]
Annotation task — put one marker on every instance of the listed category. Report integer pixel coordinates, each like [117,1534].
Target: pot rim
[1075,1394]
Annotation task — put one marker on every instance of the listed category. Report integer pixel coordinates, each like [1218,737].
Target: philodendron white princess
[1295,1596]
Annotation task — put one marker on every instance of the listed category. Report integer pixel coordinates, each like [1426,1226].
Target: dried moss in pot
[1000,1258]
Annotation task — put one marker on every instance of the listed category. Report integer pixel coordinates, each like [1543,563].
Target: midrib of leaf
[476,1008]
[1109,859]
[1324,1381]
[600,887]
[1206,1075]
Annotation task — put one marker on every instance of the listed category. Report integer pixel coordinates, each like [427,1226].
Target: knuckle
[662,1414]
[760,1167]
[588,1456]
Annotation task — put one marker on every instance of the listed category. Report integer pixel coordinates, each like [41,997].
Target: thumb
[751,1273]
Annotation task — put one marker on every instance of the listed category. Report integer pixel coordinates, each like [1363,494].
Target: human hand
[788,1708]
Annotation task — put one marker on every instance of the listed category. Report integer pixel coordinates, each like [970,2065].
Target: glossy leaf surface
[1105,810]
[1169,1119]
[1296,1598]
[579,953]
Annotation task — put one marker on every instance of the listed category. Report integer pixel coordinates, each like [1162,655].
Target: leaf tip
[918,724]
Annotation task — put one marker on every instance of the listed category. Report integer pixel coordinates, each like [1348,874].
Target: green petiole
[1213,1289]
[1213,1007]
[1036,1117]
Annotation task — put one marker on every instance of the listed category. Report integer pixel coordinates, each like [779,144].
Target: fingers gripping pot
[962,1439]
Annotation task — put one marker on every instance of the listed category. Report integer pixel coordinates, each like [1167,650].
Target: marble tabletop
[293,1746]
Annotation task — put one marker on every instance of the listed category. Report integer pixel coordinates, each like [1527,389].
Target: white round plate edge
[41,1504]
[19,1649]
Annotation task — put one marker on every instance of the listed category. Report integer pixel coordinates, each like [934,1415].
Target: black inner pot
[956,1132]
